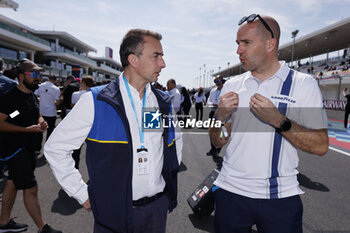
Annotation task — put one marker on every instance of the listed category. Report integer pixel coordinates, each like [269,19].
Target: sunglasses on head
[33,74]
[217,81]
[252,17]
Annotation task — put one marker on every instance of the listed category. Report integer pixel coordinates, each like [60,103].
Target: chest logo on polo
[283,99]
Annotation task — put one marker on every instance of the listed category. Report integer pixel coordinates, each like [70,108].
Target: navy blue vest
[109,159]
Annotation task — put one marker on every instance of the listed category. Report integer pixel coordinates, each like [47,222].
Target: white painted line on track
[195,133]
[340,151]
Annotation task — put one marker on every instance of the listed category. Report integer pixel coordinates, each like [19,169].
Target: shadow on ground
[306,182]
[41,161]
[205,223]
[218,160]
[182,167]
[65,205]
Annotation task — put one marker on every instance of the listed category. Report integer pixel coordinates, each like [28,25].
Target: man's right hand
[87,205]
[228,103]
[35,129]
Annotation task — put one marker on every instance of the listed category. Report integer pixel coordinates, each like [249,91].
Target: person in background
[174,95]
[185,104]
[86,83]
[258,180]
[20,123]
[49,95]
[213,102]
[199,100]
[347,107]
[71,85]
[6,83]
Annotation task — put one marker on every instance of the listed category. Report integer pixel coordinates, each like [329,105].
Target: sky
[198,35]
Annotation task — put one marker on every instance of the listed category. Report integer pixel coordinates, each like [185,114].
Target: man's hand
[39,128]
[227,104]
[43,125]
[265,110]
[87,205]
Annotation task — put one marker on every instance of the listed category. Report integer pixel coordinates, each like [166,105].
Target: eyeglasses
[33,74]
[217,81]
[251,18]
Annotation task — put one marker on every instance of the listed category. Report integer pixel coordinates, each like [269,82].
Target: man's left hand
[265,110]
[43,125]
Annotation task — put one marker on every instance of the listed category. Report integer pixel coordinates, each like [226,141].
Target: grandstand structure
[59,52]
[324,54]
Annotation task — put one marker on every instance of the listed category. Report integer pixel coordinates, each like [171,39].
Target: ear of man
[20,76]
[271,44]
[133,60]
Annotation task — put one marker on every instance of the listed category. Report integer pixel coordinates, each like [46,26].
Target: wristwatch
[284,126]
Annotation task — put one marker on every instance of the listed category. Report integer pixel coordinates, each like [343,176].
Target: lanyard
[141,132]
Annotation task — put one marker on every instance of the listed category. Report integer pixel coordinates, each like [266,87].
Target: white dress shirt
[175,99]
[74,129]
[214,97]
[199,99]
[48,94]
[76,96]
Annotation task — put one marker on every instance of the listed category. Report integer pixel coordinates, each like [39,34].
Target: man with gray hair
[133,173]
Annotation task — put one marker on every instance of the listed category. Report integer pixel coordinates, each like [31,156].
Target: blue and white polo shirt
[260,163]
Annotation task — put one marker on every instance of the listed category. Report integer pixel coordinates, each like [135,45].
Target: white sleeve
[211,97]
[225,88]
[177,101]
[37,91]
[57,96]
[178,141]
[312,113]
[68,136]
[75,97]
[179,144]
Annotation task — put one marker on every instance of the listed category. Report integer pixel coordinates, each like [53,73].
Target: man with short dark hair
[273,111]
[20,124]
[133,173]
[49,95]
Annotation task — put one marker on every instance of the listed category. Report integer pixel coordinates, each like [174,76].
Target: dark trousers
[213,148]
[150,218]
[199,109]
[237,214]
[51,121]
[186,113]
[346,117]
